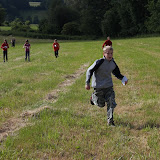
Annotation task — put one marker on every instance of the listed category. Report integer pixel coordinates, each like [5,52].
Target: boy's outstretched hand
[126,82]
[87,86]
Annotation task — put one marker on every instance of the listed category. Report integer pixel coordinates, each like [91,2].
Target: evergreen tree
[153,20]
[102,17]
[35,20]
[2,15]
[59,14]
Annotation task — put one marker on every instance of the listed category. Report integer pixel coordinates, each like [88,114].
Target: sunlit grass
[5,28]
[8,28]
[72,128]
[34,4]
[34,26]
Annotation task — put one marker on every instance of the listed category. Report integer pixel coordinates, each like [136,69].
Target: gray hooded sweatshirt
[100,71]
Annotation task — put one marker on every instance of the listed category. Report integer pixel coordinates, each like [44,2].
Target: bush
[18,25]
[71,28]
[45,36]
[43,26]
[5,23]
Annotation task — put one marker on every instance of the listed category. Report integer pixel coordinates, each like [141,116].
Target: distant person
[5,46]
[13,42]
[100,71]
[56,47]
[27,47]
[107,42]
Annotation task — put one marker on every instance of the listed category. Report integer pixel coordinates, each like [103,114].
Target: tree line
[100,18]
[12,8]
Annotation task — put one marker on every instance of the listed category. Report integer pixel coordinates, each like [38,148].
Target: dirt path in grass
[16,123]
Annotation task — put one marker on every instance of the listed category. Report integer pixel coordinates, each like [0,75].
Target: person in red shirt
[27,47]
[56,47]
[107,42]
[5,46]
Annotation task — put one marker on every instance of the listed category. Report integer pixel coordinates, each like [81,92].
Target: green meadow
[5,28]
[34,4]
[70,127]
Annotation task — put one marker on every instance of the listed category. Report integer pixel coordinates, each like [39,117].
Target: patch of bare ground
[23,57]
[19,58]
[69,80]
[16,123]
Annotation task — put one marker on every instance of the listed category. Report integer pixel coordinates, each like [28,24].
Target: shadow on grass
[148,125]
[139,127]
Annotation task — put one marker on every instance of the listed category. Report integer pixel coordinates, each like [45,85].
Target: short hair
[107,48]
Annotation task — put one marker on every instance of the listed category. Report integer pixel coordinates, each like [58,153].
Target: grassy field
[69,127]
[34,4]
[34,26]
[5,28]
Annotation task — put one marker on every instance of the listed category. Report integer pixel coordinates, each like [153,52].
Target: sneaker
[111,123]
[91,101]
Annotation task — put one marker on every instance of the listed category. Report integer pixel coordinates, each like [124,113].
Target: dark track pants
[56,53]
[27,55]
[5,57]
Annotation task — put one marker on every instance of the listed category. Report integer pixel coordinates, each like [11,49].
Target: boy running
[100,71]
[107,42]
[56,47]
[5,46]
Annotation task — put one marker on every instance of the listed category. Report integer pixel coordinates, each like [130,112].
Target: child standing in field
[13,41]
[56,47]
[107,42]
[5,46]
[100,71]
[27,47]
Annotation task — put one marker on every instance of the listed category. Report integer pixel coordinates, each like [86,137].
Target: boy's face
[108,54]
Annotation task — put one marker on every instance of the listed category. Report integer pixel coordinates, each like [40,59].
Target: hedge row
[46,36]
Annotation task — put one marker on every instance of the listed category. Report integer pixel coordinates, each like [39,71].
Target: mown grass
[34,26]
[72,128]
[5,28]
[34,4]
[8,28]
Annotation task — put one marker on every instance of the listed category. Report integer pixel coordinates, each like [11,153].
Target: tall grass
[72,128]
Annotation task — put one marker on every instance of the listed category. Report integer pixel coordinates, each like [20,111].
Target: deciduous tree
[2,15]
